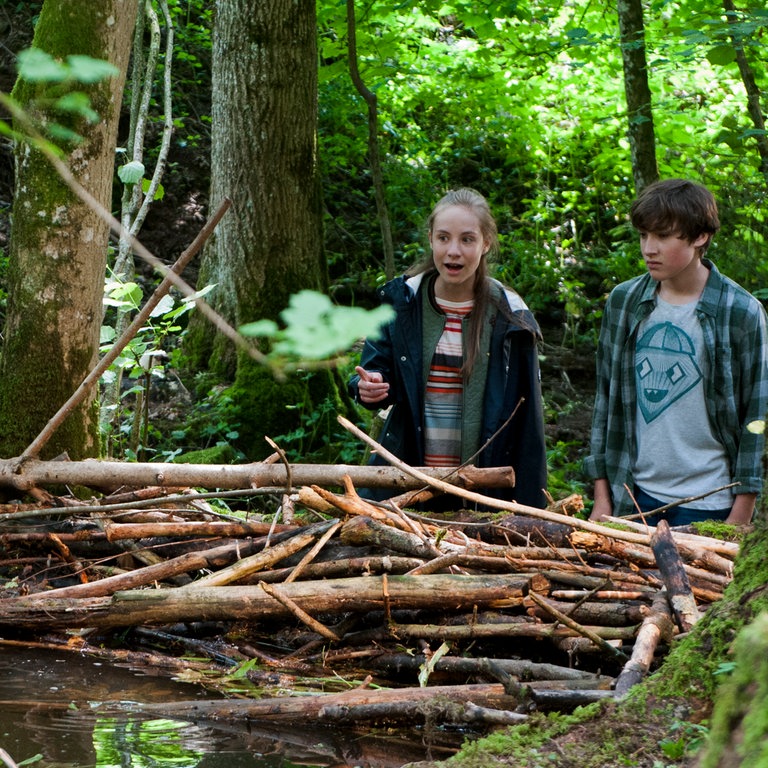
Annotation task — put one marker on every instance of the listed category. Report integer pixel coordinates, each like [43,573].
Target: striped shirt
[445,388]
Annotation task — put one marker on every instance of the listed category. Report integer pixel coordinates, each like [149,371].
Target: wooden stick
[299,613]
[266,558]
[312,554]
[657,626]
[582,630]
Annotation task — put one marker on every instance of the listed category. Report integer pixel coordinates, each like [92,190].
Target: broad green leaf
[266,328]
[159,192]
[131,173]
[316,329]
[130,293]
[87,70]
[164,305]
[37,66]
[106,334]
[721,55]
[77,103]
[199,294]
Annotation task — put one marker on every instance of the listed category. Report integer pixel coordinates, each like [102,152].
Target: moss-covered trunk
[58,245]
[263,156]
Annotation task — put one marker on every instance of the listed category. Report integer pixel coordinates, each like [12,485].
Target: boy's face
[668,256]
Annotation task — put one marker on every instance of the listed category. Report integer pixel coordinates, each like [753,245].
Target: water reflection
[53,705]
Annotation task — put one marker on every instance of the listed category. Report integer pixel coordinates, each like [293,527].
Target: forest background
[557,112]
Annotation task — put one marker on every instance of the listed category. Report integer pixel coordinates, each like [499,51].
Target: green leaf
[106,334]
[37,66]
[721,55]
[87,70]
[316,329]
[60,132]
[266,328]
[131,173]
[159,192]
[77,103]
[164,305]
[126,294]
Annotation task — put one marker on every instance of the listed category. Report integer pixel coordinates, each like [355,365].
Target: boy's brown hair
[676,207]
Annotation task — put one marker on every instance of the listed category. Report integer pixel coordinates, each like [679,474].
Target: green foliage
[316,329]
[505,101]
[686,739]
[127,430]
[56,99]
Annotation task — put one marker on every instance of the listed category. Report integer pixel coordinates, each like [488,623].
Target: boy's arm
[603,506]
[742,509]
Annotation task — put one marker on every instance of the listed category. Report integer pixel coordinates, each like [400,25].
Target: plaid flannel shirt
[736,391]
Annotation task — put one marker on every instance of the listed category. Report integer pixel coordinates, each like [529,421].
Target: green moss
[218,454]
[718,530]
[265,406]
[740,718]
[691,665]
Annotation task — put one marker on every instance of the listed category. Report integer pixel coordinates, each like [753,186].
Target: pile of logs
[482,617]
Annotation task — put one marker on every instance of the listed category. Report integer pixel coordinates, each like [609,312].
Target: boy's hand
[371,388]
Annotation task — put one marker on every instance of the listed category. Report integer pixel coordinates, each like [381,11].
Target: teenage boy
[682,374]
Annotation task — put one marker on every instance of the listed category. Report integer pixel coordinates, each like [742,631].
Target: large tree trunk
[263,156]
[58,245]
[642,140]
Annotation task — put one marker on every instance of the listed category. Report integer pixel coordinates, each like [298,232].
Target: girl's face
[457,248]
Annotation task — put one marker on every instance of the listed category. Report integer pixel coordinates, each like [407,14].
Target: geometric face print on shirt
[665,368]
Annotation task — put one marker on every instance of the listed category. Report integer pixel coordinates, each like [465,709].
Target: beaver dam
[326,607]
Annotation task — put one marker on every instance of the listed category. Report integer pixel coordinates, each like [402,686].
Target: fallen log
[163,606]
[399,663]
[436,703]
[31,473]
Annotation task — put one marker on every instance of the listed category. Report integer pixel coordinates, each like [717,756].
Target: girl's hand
[371,388]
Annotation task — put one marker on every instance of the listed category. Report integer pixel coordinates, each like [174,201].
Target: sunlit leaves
[315,328]
[37,66]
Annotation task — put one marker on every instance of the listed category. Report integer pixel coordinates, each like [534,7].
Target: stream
[49,717]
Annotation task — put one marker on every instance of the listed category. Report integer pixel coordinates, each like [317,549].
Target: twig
[298,612]
[679,502]
[310,556]
[576,627]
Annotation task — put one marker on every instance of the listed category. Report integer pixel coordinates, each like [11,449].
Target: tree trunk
[263,156]
[642,140]
[58,245]
[750,86]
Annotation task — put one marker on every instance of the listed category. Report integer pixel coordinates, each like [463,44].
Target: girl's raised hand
[371,388]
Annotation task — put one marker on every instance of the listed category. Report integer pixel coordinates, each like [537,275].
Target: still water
[50,716]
